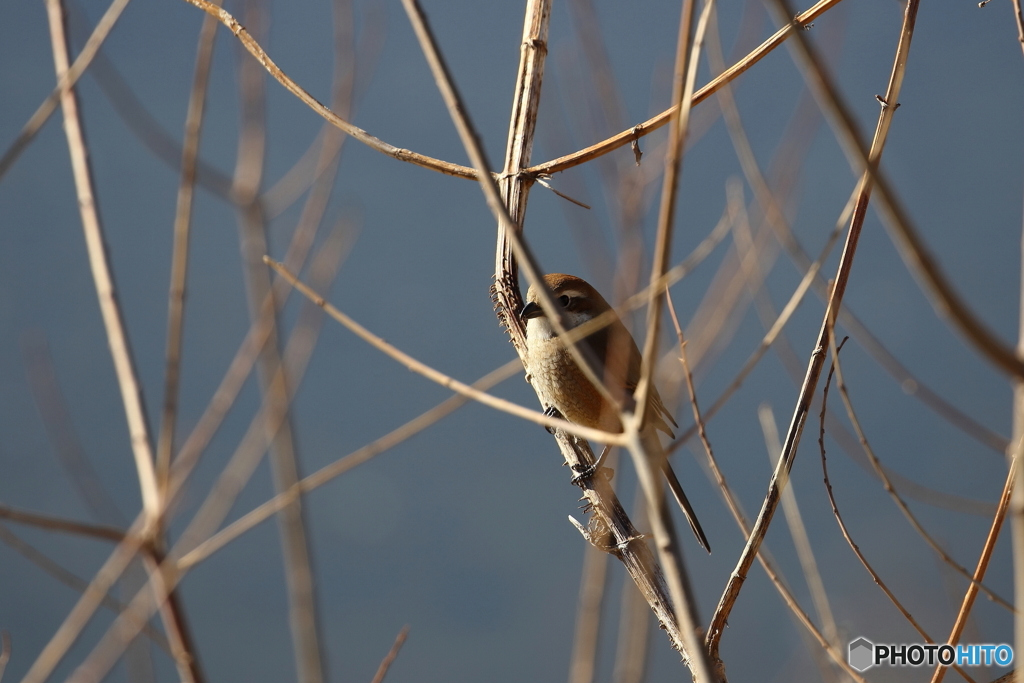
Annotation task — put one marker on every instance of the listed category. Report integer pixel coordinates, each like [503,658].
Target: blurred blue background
[461,531]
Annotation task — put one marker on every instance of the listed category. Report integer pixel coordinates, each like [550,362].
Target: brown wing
[615,346]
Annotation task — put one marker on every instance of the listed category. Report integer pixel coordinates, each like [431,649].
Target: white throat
[539,329]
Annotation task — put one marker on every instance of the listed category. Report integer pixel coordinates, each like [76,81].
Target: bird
[615,359]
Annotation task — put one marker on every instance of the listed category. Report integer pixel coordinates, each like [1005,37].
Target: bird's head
[579,302]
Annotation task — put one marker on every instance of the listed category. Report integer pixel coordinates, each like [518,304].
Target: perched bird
[564,387]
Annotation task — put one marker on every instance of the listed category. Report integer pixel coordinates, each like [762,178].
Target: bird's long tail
[684,503]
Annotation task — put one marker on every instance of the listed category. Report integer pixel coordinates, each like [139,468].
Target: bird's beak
[530,310]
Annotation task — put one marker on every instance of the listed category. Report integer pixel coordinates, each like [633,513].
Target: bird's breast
[562,385]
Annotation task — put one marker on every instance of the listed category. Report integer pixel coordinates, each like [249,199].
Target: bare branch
[817,359]
[264,59]
[638,131]
[389,658]
[65,82]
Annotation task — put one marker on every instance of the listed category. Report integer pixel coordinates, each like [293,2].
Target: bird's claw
[551,411]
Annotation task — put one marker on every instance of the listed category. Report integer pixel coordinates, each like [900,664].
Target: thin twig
[439,377]
[60,428]
[835,508]
[635,132]
[73,581]
[65,82]
[798,531]
[912,248]
[817,359]
[82,612]
[142,605]
[69,526]
[276,382]
[389,658]
[216,506]
[120,350]
[377,144]
[5,651]
[179,252]
[339,467]
[979,572]
[646,457]
[886,480]
[589,603]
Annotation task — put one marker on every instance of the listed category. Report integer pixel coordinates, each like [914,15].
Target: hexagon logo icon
[862,654]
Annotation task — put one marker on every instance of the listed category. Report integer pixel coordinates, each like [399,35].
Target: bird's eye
[564,300]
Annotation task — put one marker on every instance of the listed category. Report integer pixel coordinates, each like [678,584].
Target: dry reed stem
[798,532]
[773,211]
[770,336]
[632,651]
[1017,500]
[5,651]
[835,508]
[131,392]
[210,515]
[69,526]
[982,567]
[142,605]
[646,456]
[60,429]
[880,472]
[439,377]
[277,382]
[120,350]
[65,82]
[509,204]
[72,581]
[817,359]
[179,252]
[389,658]
[772,573]
[510,252]
[636,132]
[172,612]
[69,630]
[377,144]
[904,235]
[683,80]
[339,467]
[589,603]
